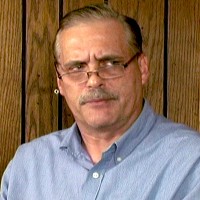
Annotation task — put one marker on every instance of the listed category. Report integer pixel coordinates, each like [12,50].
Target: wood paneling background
[28,106]
[10,79]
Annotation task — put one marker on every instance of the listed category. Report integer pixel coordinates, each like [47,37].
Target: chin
[100,124]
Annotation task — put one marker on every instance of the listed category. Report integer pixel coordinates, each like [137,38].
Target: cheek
[71,96]
[131,88]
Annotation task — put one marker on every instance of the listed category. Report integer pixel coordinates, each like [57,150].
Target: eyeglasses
[108,70]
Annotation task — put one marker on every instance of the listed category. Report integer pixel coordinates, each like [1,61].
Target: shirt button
[119,159]
[95,175]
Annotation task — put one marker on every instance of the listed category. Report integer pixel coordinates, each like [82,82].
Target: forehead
[94,37]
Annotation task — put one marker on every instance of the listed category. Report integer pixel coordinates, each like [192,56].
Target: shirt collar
[136,133]
[72,144]
[72,140]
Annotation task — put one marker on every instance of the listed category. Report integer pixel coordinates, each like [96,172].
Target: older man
[118,148]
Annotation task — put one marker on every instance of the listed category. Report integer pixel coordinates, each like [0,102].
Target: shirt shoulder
[174,137]
[45,145]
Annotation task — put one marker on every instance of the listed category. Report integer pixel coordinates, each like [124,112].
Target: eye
[111,63]
[77,67]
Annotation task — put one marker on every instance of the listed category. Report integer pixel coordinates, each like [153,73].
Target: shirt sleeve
[190,188]
[5,183]
[194,194]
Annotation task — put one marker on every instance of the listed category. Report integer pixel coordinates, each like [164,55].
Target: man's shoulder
[45,144]
[162,129]
[171,128]
[176,135]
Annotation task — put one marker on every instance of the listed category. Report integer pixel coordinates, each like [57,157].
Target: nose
[94,80]
[92,72]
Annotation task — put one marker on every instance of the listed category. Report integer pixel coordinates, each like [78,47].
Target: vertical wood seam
[23,81]
[165,72]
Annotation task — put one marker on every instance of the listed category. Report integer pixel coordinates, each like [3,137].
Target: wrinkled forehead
[112,30]
[94,36]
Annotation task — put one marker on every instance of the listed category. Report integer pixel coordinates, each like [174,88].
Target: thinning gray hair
[100,12]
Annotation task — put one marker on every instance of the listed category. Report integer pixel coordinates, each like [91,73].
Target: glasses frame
[125,65]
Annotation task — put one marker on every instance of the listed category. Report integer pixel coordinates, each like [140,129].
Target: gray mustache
[95,94]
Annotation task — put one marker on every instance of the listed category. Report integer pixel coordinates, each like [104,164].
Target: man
[118,147]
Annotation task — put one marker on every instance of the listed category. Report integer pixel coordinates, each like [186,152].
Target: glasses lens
[108,72]
[111,72]
[78,77]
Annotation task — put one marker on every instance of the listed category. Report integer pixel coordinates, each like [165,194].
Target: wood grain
[10,79]
[41,103]
[184,62]
[69,5]
[150,16]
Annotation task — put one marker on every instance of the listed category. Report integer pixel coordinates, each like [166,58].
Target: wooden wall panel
[184,62]
[10,79]
[150,16]
[69,5]
[41,103]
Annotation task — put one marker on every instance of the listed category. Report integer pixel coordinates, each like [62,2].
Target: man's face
[121,101]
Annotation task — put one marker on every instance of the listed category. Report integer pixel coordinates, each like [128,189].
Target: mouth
[97,101]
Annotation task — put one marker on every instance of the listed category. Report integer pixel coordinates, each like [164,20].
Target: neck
[97,140]
[96,144]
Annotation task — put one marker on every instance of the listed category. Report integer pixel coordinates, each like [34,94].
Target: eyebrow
[103,58]
[74,62]
[110,57]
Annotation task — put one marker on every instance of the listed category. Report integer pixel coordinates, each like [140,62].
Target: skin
[102,120]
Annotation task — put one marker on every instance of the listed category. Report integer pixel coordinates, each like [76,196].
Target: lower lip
[98,102]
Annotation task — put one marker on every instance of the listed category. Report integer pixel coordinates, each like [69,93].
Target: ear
[60,85]
[144,68]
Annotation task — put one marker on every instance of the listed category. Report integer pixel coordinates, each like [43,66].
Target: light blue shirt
[154,160]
